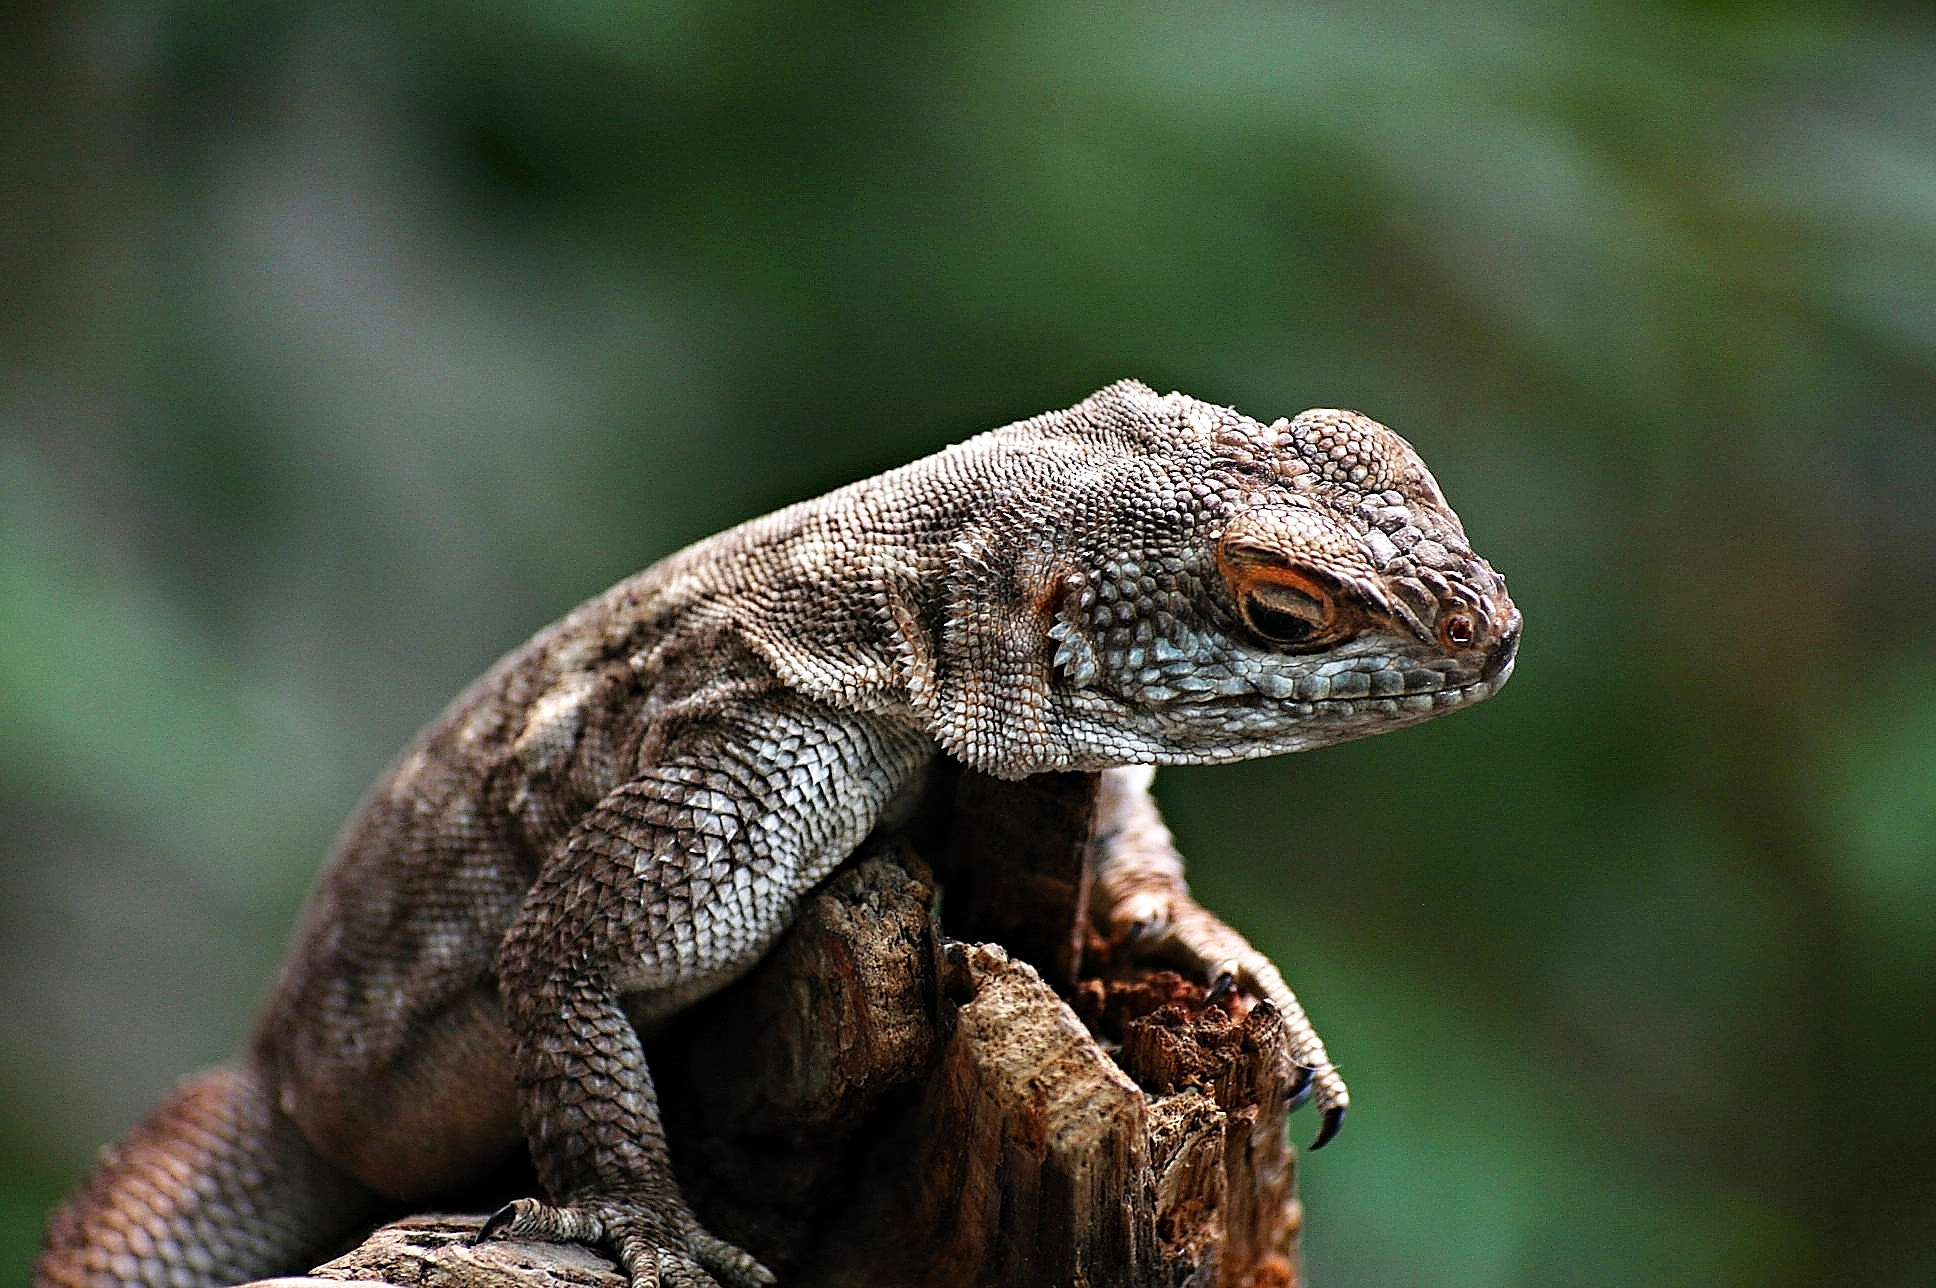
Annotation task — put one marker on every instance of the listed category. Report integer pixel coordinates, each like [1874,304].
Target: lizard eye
[1286,612]
[1282,604]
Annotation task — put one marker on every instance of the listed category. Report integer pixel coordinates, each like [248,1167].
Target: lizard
[623,814]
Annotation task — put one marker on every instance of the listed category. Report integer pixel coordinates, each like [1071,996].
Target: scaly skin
[625,812]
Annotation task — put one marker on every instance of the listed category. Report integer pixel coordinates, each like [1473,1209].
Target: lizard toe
[654,1246]
[542,1223]
[730,1265]
[1328,1093]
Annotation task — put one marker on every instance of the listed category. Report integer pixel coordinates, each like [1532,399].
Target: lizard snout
[1499,665]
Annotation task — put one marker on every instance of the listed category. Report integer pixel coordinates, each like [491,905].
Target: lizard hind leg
[216,1188]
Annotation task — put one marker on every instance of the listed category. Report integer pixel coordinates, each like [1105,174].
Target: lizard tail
[218,1187]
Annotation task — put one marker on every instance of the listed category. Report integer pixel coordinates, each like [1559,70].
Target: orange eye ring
[1282,605]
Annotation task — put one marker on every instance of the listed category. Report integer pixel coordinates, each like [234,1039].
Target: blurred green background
[342,345]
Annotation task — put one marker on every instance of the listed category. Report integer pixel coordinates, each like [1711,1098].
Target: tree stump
[883,1101]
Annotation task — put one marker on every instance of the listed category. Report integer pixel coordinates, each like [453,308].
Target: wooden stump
[879,1104]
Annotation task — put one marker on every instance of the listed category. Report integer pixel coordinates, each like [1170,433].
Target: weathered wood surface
[879,1104]
[1017,868]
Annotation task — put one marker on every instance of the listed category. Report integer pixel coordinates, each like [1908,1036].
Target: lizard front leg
[1142,900]
[669,888]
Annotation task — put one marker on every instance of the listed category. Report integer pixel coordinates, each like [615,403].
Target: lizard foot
[656,1249]
[1156,925]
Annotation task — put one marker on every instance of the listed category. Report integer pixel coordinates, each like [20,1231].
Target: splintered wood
[884,1101]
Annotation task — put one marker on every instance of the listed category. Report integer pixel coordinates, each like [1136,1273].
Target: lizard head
[1211,588]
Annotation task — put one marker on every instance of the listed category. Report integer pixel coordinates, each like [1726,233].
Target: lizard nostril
[1503,652]
[1458,630]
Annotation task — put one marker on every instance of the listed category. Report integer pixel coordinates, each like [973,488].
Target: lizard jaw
[1181,728]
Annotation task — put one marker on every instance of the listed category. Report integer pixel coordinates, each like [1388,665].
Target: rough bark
[880,1103]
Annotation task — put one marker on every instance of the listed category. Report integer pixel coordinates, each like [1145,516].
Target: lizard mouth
[1418,705]
[1243,727]
[1493,673]
[1377,710]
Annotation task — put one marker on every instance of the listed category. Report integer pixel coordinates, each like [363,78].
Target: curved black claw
[1221,987]
[1300,1088]
[1328,1129]
[497,1222]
